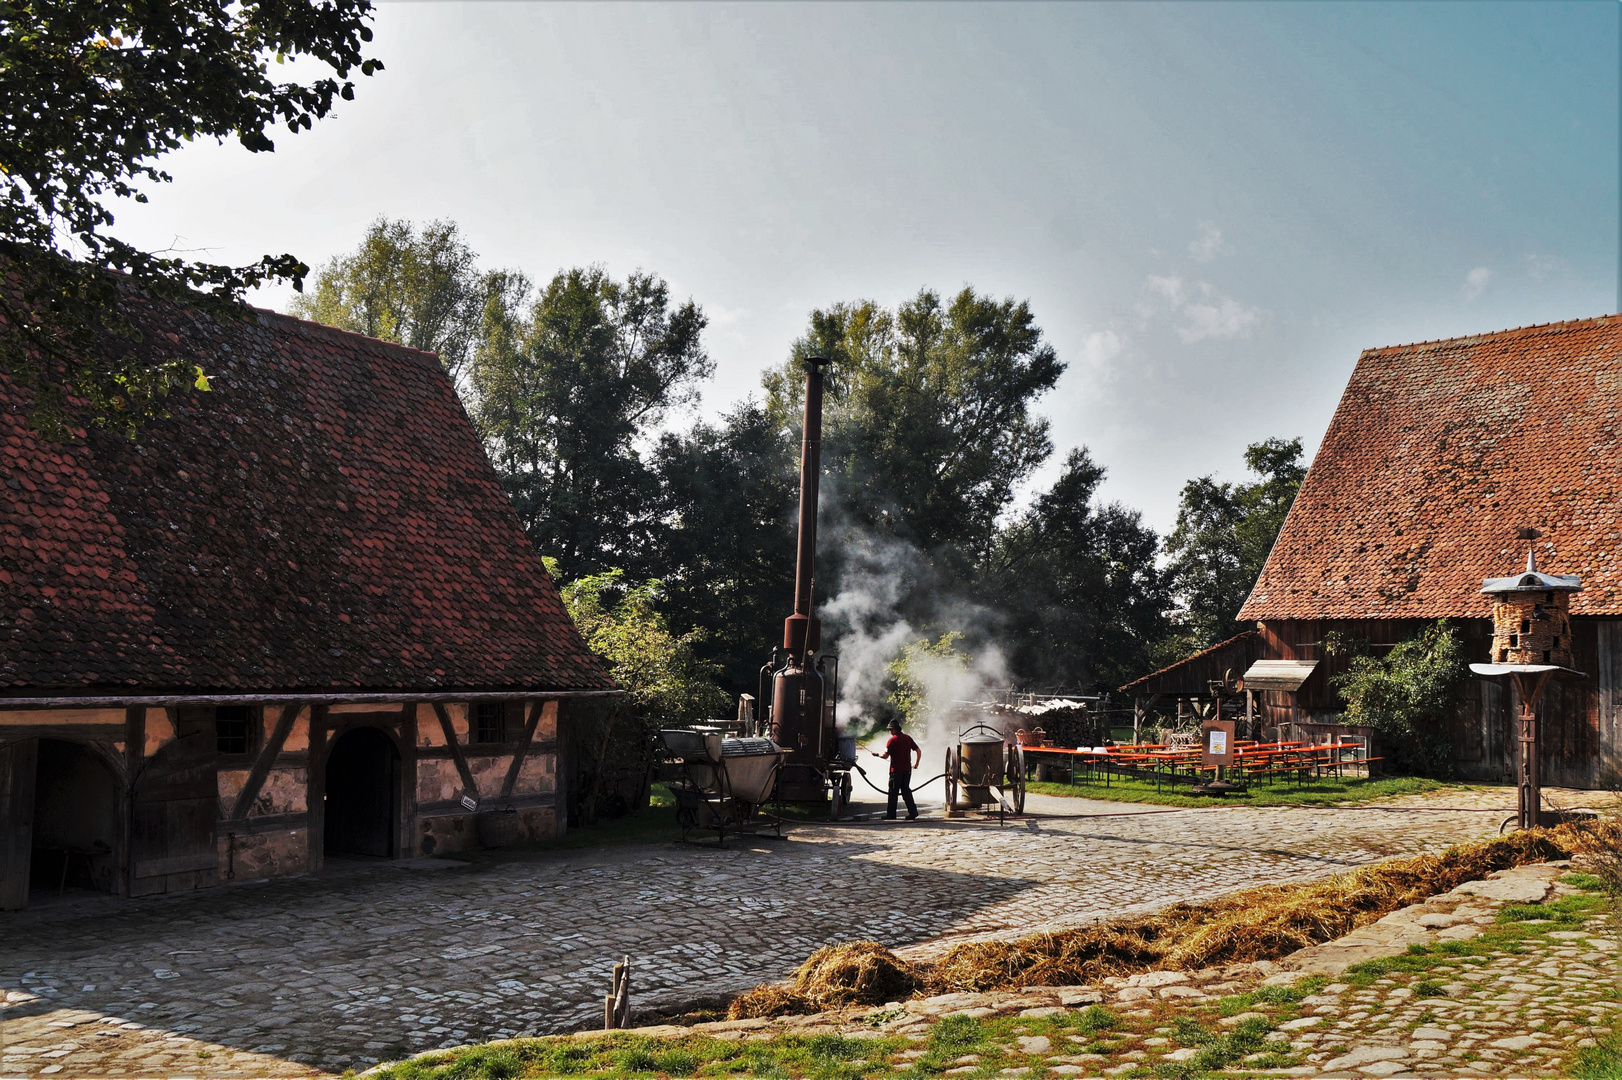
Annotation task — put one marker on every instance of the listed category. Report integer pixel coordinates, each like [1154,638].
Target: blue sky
[1211,207]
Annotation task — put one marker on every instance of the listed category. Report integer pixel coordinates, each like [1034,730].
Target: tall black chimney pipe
[802,631]
[797,688]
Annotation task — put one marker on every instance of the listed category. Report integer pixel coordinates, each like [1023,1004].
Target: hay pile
[859,973]
[1256,924]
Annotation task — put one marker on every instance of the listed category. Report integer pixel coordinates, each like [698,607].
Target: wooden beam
[316,790]
[134,759]
[264,823]
[407,824]
[522,751]
[445,725]
[261,766]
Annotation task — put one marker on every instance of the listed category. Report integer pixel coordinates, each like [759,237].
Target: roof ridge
[1561,326]
[320,328]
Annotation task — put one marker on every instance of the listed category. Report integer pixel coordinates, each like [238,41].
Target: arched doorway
[75,837]
[362,788]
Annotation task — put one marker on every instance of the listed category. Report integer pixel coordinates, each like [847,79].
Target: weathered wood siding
[1580,720]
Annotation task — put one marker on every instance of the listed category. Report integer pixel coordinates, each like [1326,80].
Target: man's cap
[895,725]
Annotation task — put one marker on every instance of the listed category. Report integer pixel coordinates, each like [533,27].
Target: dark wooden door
[172,826]
[17,761]
[362,781]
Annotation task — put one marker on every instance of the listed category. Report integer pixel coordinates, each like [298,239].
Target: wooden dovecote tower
[1531,616]
[1531,643]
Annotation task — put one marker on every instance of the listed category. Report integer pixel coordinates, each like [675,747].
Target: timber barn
[297,618]
[1438,455]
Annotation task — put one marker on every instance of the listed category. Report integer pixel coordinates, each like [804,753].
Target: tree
[563,397]
[1409,695]
[1224,533]
[92,93]
[928,423]
[725,543]
[668,684]
[421,289]
[926,676]
[1083,601]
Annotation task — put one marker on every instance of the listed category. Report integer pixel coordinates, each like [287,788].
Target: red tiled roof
[1437,454]
[325,518]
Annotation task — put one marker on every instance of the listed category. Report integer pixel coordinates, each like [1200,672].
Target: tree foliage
[1083,601]
[1224,533]
[929,423]
[421,288]
[925,672]
[724,546]
[564,395]
[1409,695]
[669,685]
[92,94]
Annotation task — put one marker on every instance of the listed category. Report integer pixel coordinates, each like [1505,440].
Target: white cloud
[1204,247]
[1169,287]
[1226,317]
[1099,350]
[1475,282]
[1207,315]
[1541,266]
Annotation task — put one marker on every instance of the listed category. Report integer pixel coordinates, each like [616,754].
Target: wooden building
[296,619]
[1438,454]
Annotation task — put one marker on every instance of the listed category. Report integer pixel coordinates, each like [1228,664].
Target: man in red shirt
[904,754]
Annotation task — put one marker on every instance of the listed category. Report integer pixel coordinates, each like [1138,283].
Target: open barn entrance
[75,837]
[362,790]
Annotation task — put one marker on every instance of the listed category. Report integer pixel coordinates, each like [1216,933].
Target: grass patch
[634,1057]
[1601,1062]
[1271,995]
[1327,791]
[1516,925]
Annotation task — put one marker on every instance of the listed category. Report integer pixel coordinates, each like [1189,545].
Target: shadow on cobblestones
[368,962]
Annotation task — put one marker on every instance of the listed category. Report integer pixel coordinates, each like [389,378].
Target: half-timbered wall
[1580,721]
[193,809]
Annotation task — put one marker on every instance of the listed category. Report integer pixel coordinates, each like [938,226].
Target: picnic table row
[1166,764]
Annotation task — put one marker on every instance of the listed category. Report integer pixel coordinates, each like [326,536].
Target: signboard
[1216,741]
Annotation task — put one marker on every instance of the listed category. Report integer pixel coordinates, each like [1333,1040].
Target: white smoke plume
[865,625]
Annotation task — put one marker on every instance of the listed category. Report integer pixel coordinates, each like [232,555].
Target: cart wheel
[1018,757]
[951,779]
[839,799]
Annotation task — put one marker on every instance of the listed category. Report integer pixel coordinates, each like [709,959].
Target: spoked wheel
[951,779]
[1016,759]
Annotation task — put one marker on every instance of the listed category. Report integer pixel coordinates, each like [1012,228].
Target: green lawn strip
[1324,792]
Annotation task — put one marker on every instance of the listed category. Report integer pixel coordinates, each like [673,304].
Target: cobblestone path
[369,963]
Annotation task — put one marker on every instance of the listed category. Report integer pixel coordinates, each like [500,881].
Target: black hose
[886,791]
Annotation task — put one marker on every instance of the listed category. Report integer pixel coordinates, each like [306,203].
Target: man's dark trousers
[901,784]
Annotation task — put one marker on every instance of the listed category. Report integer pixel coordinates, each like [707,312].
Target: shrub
[1409,695]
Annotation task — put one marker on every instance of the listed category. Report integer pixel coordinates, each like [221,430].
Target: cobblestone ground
[368,963]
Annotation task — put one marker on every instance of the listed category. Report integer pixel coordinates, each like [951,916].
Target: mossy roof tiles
[325,518]
[1437,454]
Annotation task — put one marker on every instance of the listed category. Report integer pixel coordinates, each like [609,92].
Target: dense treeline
[930,428]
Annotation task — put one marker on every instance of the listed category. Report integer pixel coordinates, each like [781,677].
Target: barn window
[1526,626]
[1512,641]
[490,722]
[233,729]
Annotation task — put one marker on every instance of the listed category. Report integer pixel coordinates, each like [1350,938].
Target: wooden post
[316,790]
[1530,687]
[617,1006]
